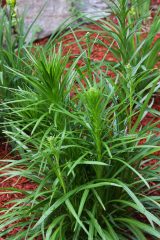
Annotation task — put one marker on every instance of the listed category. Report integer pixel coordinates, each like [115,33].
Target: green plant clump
[78,132]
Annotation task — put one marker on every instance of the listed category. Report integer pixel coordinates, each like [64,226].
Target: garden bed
[98,52]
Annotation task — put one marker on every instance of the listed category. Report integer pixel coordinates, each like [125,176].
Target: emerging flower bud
[11,3]
[92,92]
[92,97]
[128,66]
[132,11]
[50,139]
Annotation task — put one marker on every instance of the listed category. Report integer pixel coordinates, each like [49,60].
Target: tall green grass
[78,132]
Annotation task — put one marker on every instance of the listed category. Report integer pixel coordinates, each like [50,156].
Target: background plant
[132,45]
[13,40]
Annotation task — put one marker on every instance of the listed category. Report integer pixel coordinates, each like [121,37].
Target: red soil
[20,183]
[17,182]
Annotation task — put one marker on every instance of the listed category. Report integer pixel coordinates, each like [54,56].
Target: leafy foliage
[78,133]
